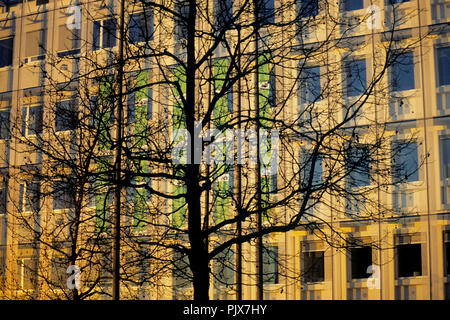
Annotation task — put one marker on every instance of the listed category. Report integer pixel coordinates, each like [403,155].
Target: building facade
[406,248]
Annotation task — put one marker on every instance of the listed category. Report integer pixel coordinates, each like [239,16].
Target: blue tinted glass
[6,52]
[224,12]
[309,8]
[96,36]
[358,164]
[311,80]
[356,77]
[405,162]
[444,66]
[109,33]
[354,4]
[266,11]
[403,73]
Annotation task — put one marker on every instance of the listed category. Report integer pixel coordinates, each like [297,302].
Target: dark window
[309,8]
[361,259]
[4,124]
[230,100]
[270,264]
[3,198]
[26,271]
[96,35]
[445,151]
[397,1]
[182,274]
[358,166]
[29,197]
[150,103]
[31,120]
[6,52]
[403,73]
[40,2]
[223,268]
[314,267]
[59,275]
[104,34]
[63,195]
[447,254]
[405,166]
[266,11]
[310,85]
[409,259]
[181,23]
[66,115]
[317,178]
[109,33]
[444,65]
[356,77]
[141,27]
[350,5]
[223,13]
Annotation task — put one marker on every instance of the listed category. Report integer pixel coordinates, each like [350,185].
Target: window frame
[144,16]
[99,44]
[71,115]
[313,278]
[38,125]
[9,59]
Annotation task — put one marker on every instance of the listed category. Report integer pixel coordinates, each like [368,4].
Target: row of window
[402,76]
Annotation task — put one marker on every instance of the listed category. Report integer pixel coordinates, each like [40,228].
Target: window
[182,273]
[141,27]
[317,175]
[266,11]
[223,13]
[4,124]
[310,85]
[405,165]
[58,272]
[29,197]
[35,44]
[308,8]
[68,41]
[443,55]
[356,77]
[3,197]
[104,34]
[270,265]
[403,73]
[409,260]
[350,5]
[31,120]
[445,151]
[182,8]
[223,268]
[361,259]
[26,273]
[63,195]
[313,266]
[447,253]
[66,115]
[6,52]
[397,1]
[358,166]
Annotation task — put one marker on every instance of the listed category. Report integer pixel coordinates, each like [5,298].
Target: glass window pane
[356,77]
[358,166]
[96,35]
[66,115]
[309,8]
[350,5]
[310,85]
[405,162]
[270,264]
[4,124]
[444,65]
[6,52]
[361,259]
[445,145]
[403,73]
[266,11]
[223,13]
[409,257]
[313,266]
[109,33]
